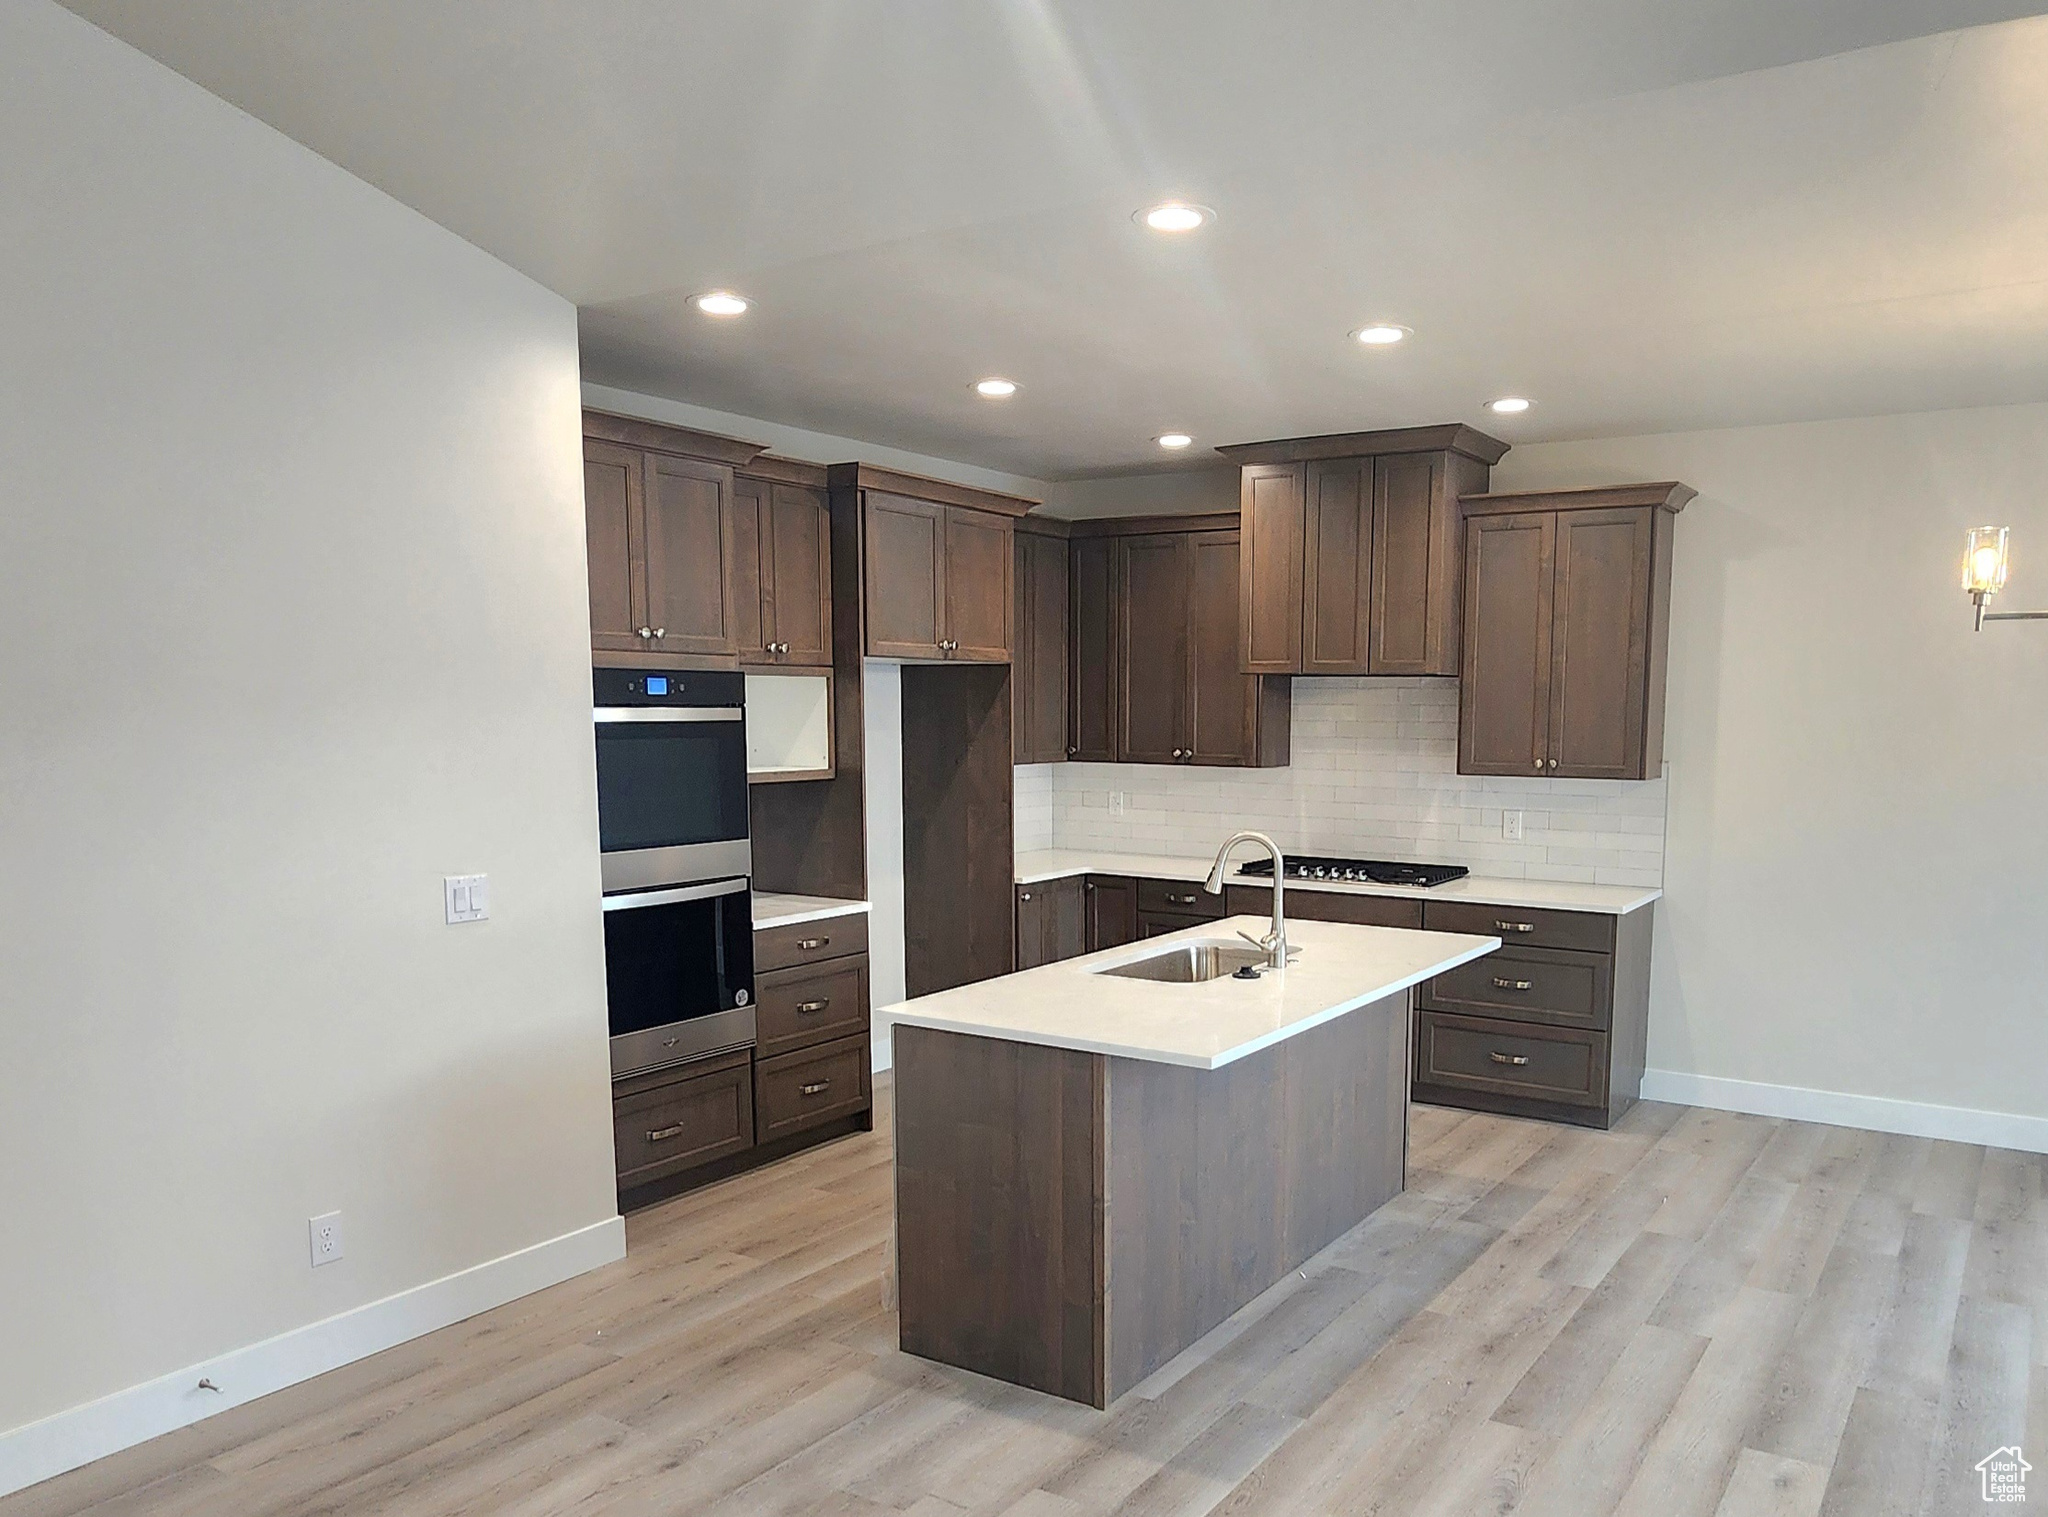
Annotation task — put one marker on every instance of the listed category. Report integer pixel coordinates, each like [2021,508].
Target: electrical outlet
[1511,826]
[324,1234]
[1116,803]
[467,897]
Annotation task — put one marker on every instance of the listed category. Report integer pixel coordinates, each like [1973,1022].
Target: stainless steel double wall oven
[672,824]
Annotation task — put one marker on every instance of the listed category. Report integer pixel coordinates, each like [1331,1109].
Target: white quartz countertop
[771,910]
[1340,968]
[1480,890]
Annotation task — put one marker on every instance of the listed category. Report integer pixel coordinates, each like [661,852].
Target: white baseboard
[1918,1119]
[84,1433]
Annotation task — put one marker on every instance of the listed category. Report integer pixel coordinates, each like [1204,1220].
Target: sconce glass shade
[1984,561]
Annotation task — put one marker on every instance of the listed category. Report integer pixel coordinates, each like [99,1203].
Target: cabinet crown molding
[1664,495]
[942,491]
[1453,437]
[659,437]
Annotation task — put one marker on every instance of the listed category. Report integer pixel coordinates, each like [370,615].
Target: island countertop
[1340,968]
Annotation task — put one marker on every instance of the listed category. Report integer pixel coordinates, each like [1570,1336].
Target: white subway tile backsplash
[1374,773]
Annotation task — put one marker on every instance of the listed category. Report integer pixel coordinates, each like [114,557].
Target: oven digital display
[657,684]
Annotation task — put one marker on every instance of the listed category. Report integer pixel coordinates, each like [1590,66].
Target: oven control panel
[669,687]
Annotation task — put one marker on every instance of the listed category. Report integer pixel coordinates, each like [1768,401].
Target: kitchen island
[1095,1167]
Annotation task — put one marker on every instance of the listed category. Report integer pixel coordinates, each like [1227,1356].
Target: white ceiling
[1646,216]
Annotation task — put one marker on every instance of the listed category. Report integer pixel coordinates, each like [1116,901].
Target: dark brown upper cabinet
[785,565]
[1093,685]
[937,571]
[1172,688]
[1567,623]
[1038,676]
[665,541]
[1354,549]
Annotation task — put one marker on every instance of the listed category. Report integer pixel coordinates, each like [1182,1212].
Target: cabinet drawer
[1535,985]
[1175,898]
[812,1003]
[1511,1058]
[798,1090]
[808,942]
[705,1115]
[1519,927]
[1308,905]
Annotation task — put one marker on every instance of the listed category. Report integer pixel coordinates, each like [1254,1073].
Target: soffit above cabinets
[1646,218]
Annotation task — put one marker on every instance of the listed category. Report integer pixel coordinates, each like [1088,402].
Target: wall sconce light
[1984,569]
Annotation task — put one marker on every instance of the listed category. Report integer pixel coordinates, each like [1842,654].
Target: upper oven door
[671,794]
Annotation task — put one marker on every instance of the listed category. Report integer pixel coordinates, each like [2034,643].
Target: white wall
[1857,865]
[292,622]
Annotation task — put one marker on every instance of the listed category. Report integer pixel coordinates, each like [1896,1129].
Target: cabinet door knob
[661,632]
[1553,763]
[1023,895]
[646,632]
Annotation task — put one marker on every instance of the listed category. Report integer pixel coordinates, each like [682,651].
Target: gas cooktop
[1365,871]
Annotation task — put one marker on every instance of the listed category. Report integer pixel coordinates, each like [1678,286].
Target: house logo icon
[2005,1475]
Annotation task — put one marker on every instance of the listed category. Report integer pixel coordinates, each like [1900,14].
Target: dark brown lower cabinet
[1324,906]
[674,1120]
[1553,1025]
[1110,905]
[1169,905]
[806,1080]
[1052,921]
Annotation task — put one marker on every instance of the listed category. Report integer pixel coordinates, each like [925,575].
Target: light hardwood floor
[1697,1313]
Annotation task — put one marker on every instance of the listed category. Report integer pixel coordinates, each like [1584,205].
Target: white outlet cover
[323,1236]
[1511,826]
[1116,803]
[466,897]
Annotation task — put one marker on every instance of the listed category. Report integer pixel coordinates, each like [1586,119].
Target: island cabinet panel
[1052,921]
[1070,1221]
[1554,1024]
[1567,623]
[1111,911]
[1013,1287]
[613,477]
[1094,659]
[1038,680]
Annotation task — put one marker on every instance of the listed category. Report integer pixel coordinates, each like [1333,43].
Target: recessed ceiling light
[1175,216]
[1508,405]
[722,303]
[995,389]
[1174,439]
[1383,334]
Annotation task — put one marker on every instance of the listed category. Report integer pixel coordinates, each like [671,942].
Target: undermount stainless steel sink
[1190,963]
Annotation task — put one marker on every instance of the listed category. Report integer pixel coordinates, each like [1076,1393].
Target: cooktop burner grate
[1364,871]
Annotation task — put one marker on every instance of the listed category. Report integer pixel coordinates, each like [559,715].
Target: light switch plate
[1511,826]
[1116,803]
[324,1236]
[467,897]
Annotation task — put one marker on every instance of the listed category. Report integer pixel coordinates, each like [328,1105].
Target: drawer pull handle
[811,945]
[663,1134]
[1517,1059]
[1498,984]
[815,1088]
[1181,900]
[1514,926]
[805,1008]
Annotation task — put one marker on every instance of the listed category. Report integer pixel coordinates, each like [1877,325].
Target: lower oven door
[679,973]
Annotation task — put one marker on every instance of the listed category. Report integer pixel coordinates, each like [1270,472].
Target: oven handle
[607,714]
[704,892]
